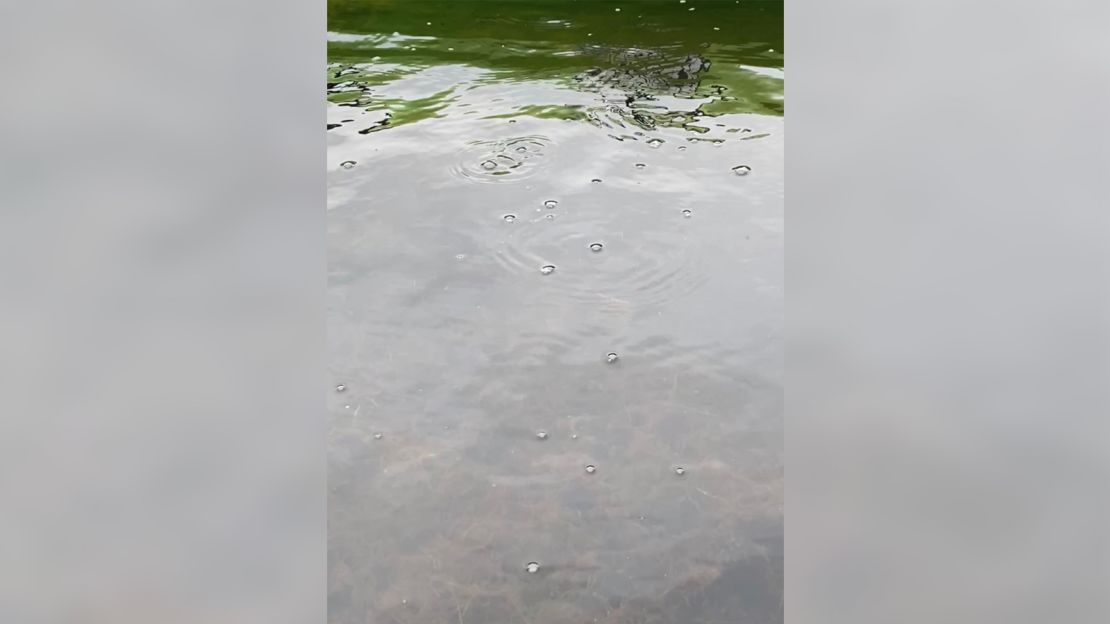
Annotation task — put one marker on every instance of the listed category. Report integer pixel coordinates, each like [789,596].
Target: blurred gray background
[947,294]
[162,275]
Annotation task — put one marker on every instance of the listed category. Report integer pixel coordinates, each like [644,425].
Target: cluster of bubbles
[511,159]
[494,161]
[485,161]
[533,567]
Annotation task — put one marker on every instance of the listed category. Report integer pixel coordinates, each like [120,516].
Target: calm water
[555,308]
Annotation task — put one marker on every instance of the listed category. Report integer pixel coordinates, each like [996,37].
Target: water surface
[555,239]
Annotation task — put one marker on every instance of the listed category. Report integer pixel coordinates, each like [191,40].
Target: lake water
[555,299]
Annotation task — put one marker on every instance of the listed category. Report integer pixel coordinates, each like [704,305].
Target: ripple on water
[645,263]
[502,160]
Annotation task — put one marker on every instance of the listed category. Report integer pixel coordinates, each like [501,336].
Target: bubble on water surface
[679,470]
[661,268]
[590,468]
[377,436]
[549,204]
[596,247]
[682,148]
[596,180]
[741,170]
[718,141]
[687,213]
[611,357]
[532,567]
[655,142]
[347,164]
[340,388]
[504,160]
[509,218]
[541,435]
[547,269]
[640,165]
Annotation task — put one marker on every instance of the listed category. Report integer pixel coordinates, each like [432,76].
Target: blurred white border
[163,268]
[947,309]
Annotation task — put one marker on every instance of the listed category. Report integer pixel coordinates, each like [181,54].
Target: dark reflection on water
[456,350]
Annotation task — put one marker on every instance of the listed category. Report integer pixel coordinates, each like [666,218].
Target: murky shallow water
[543,259]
